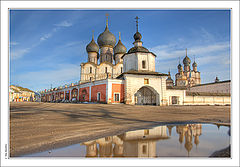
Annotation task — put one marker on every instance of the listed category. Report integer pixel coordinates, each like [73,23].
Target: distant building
[19,94]
[187,77]
[169,81]
[11,94]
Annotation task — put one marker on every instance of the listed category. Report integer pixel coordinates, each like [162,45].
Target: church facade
[114,75]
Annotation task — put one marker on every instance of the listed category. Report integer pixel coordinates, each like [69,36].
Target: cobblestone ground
[37,127]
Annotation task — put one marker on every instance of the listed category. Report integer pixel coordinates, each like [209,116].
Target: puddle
[188,140]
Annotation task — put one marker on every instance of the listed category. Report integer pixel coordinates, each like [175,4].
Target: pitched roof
[206,94]
[142,73]
[212,83]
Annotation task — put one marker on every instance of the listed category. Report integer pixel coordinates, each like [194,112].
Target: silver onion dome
[119,48]
[106,38]
[137,36]
[92,46]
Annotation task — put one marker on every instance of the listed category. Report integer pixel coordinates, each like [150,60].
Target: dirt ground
[36,127]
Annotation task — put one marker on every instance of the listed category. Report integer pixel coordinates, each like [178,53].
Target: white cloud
[46,36]
[14,43]
[170,51]
[64,24]
[16,54]
[205,35]
[74,43]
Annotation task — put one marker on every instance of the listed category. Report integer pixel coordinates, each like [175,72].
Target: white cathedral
[111,62]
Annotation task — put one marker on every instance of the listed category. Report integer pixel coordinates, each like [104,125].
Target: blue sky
[48,46]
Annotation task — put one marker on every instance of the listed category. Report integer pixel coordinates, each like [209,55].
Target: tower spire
[186,51]
[137,22]
[119,36]
[179,60]
[107,19]
[92,34]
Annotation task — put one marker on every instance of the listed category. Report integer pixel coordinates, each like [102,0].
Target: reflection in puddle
[199,140]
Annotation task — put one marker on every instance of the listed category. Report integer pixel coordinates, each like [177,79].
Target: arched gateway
[146,95]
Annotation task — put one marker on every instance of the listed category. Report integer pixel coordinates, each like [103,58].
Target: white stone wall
[134,82]
[85,72]
[149,58]
[178,93]
[157,132]
[129,62]
[117,69]
[98,71]
[196,100]
[224,87]
[207,100]
[134,62]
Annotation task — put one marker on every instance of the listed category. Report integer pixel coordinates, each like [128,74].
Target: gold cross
[137,22]
[107,19]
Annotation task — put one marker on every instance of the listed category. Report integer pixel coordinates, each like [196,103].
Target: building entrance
[146,96]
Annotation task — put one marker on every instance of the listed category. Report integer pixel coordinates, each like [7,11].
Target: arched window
[121,69]
[90,69]
[143,64]
[106,70]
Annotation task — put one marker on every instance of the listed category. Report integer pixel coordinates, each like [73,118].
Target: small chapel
[114,75]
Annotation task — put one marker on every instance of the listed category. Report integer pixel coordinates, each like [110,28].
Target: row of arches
[71,95]
[146,95]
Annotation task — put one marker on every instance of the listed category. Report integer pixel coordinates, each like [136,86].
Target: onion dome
[92,46]
[179,66]
[137,36]
[186,60]
[188,146]
[119,48]
[106,38]
[194,64]
[196,140]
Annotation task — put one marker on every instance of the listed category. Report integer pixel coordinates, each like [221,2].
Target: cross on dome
[107,19]
[137,22]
